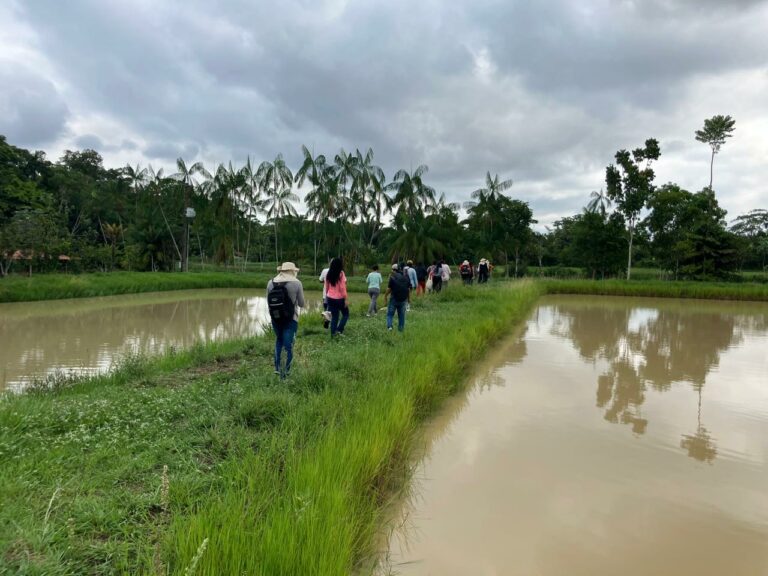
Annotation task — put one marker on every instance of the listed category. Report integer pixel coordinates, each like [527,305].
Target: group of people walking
[482,271]
[285,296]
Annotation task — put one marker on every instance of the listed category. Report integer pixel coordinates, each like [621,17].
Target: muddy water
[87,336]
[608,437]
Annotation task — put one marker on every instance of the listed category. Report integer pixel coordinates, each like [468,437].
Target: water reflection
[653,348]
[90,335]
[524,475]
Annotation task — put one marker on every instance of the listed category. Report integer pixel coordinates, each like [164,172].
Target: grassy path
[263,476]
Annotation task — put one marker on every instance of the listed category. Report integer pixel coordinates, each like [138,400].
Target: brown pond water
[609,436]
[89,335]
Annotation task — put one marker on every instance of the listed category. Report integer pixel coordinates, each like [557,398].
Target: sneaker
[389,329]
[277,373]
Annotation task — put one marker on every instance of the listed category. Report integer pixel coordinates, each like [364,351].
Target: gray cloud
[544,93]
[32,112]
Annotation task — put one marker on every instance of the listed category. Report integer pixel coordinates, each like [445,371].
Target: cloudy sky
[540,92]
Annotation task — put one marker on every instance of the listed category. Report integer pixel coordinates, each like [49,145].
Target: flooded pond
[88,335]
[609,436]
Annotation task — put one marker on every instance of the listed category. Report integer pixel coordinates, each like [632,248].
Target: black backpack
[280,305]
[438,271]
[400,287]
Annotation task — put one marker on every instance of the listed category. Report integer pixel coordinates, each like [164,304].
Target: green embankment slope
[278,477]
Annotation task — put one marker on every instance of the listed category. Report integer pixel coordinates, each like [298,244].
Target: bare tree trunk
[629,255]
[277,257]
[315,239]
[176,246]
[711,168]
[200,247]
[247,246]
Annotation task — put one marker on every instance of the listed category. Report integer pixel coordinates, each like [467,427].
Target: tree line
[78,215]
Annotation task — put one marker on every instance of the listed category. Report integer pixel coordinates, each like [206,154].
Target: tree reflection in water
[649,347]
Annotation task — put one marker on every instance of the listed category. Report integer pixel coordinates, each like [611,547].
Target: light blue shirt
[412,276]
[374,280]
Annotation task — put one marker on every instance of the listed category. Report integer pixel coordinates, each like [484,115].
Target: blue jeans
[400,307]
[336,306]
[284,336]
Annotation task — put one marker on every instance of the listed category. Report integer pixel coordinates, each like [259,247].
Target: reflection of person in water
[671,345]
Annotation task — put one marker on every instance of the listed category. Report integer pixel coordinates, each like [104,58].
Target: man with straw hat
[285,295]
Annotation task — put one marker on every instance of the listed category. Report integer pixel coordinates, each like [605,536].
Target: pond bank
[277,477]
[62,286]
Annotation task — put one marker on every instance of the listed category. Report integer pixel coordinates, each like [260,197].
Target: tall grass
[59,286]
[660,289]
[279,477]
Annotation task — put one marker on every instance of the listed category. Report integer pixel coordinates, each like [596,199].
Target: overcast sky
[540,92]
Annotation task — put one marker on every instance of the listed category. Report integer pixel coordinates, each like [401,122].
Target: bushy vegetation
[76,215]
[204,458]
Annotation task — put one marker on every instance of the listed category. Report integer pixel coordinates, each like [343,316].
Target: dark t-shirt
[399,286]
[421,273]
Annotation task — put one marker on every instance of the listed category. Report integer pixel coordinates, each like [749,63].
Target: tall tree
[250,201]
[630,184]
[715,132]
[412,195]
[186,175]
[311,170]
[277,180]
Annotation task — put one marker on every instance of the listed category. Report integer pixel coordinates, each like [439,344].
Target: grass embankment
[58,286]
[660,289]
[277,477]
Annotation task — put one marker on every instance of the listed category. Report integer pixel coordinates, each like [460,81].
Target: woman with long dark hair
[336,290]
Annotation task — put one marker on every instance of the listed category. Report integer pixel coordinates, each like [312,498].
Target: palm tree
[312,170]
[279,204]
[157,183]
[485,201]
[599,202]
[412,196]
[250,200]
[186,175]
[369,194]
[492,191]
[324,201]
[136,176]
[715,132]
[224,191]
[276,180]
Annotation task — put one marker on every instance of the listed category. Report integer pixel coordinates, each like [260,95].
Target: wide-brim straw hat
[287,267]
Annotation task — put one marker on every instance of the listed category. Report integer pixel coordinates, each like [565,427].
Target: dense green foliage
[278,477]
[76,215]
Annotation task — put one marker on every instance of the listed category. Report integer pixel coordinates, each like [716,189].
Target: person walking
[483,271]
[285,295]
[410,272]
[445,271]
[336,289]
[437,276]
[326,314]
[399,288]
[466,272]
[374,289]
[421,278]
